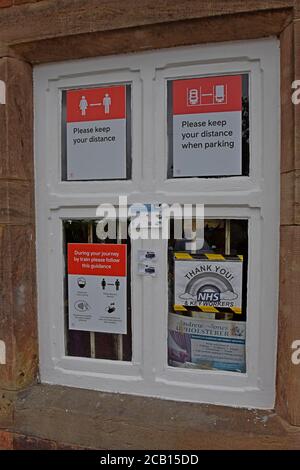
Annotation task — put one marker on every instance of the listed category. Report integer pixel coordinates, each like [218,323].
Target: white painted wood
[255,198]
[2,92]
[2,353]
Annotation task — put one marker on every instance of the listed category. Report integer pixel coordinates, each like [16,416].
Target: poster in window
[209,280]
[96,144]
[206,136]
[206,344]
[97,287]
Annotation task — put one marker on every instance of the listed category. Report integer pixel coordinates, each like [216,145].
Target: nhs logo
[208,296]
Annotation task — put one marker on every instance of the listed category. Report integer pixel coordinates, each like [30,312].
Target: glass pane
[208,126]
[96,133]
[208,298]
[96,293]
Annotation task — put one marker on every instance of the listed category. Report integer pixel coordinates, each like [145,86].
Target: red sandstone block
[5,3]
[22,442]
[6,440]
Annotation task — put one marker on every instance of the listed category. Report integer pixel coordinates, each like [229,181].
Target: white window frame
[254,197]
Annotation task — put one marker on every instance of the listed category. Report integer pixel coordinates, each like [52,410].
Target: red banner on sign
[207,95]
[96,104]
[97,259]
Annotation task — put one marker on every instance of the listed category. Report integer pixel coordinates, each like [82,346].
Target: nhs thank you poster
[209,280]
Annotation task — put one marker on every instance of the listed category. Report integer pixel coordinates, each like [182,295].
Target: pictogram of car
[193,96]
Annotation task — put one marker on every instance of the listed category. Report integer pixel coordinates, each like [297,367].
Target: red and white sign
[97,287]
[207,126]
[96,104]
[96,133]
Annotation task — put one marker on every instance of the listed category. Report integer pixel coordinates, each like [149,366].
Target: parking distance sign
[207,126]
[96,133]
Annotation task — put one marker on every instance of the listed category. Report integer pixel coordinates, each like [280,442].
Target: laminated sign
[97,287]
[208,282]
[96,133]
[207,126]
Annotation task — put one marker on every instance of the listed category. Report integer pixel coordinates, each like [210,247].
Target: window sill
[89,419]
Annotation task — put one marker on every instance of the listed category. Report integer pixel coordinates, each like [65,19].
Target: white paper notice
[207,126]
[97,287]
[96,133]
